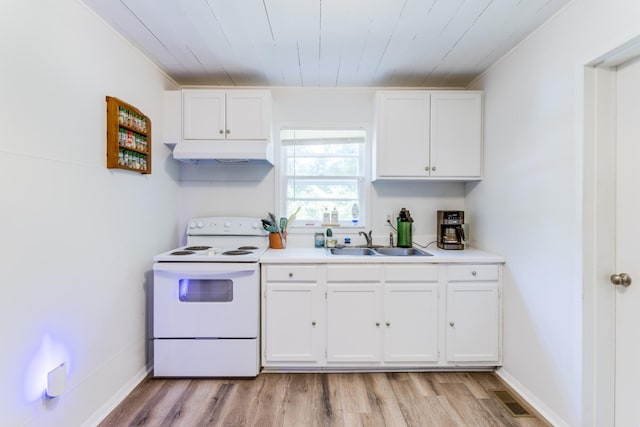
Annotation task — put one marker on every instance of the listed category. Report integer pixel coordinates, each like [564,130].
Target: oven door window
[206,290]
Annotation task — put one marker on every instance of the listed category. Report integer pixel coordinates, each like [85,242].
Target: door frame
[599,234]
[598,247]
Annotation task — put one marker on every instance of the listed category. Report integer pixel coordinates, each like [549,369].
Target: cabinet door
[353,322]
[203,114]
[402,138]
[456,134]
[294,322]
[248,115]
[473,322]
[410,322]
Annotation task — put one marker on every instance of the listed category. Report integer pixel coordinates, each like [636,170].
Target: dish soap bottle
[355,213]
[330,241]
[404,228]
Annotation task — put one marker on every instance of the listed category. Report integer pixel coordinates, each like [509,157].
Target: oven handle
[206,270]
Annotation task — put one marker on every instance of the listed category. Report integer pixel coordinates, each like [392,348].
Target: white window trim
[280,182]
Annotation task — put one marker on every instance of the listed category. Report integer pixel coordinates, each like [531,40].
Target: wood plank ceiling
[325,43]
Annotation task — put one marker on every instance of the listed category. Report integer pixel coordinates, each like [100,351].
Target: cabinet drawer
[411,273]
[349,273]
[292,273]
[464,273]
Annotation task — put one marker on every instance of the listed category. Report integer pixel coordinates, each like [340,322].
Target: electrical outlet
[388,218]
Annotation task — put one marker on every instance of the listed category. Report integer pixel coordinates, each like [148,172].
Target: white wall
[77,238]
[529,206]
[252,191]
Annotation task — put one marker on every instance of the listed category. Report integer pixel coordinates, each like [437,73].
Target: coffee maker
[450,232]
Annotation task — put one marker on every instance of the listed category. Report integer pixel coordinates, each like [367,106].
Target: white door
[628,247]
[456,134]
[410,322]
[473,322]
[206,300]
[402,140]
[203,114]
[248,115]
[294,322]
[353,322]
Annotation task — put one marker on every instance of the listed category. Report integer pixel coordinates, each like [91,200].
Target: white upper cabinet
[428,135]
[232,114]
[456,134]
[402,134]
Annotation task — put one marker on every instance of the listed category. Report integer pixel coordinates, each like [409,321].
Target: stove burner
[247,248]
[182,253]
[197,248]
[236,252]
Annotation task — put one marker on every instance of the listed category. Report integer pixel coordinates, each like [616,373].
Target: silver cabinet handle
[221,131]
[228,131]
[313,323]
[377,323]
[388,323]
[620,279]
[290,275]
[452,324]
[474,273]
[427,168]
[433,168]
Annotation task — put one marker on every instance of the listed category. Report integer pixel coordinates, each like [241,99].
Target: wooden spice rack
[128,137]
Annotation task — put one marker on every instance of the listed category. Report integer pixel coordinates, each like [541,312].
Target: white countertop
[322,255]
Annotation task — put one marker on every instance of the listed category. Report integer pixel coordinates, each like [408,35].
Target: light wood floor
[323,399]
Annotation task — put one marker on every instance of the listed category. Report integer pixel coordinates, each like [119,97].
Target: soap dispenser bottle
[334,216]
[326,217]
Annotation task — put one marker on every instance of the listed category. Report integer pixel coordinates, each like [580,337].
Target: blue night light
[49,355]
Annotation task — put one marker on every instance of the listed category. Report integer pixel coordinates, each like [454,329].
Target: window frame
[364,179]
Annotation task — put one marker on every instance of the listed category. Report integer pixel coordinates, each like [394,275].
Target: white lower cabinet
[294,318]
[353,314]
[473,314]
[381,316]
[410,313]
[353,322]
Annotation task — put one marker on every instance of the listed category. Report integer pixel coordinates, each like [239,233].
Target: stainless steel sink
[402,252]
[384,251]
[352,251]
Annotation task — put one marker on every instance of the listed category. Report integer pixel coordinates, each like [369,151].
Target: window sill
[337,229]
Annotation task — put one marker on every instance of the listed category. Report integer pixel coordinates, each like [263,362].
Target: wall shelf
[128,137]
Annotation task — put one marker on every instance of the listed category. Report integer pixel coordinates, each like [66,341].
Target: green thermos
[404,229]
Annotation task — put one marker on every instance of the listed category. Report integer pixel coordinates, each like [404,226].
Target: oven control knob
[200,224]
[192,225]
[254,226]
[227,224]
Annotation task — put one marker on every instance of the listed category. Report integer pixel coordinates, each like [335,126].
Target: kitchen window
[322,171]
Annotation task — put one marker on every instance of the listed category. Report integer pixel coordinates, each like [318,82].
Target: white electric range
[206,299]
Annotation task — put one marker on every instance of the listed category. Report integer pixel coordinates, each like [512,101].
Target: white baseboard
[101,413]
[531,399]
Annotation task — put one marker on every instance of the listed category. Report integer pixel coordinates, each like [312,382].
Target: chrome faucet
[367,237]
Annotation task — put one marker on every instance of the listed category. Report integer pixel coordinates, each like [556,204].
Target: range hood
[223,152]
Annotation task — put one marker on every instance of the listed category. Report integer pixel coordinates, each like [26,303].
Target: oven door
[206,300]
